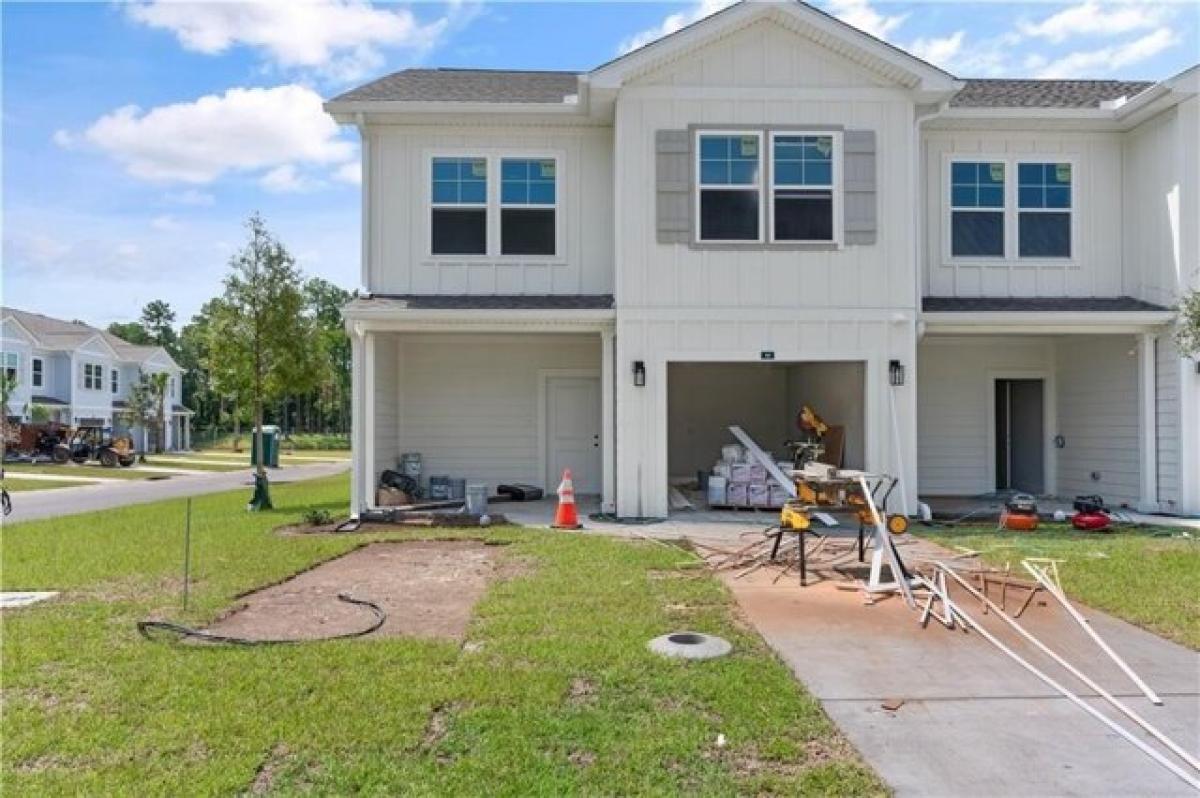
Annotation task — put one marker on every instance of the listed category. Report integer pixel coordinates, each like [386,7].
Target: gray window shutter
[860,217]
[673,188]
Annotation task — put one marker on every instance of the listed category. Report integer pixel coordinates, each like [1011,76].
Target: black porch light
[895,373]
[639,373]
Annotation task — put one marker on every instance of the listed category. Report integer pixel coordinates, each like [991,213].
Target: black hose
[145,628]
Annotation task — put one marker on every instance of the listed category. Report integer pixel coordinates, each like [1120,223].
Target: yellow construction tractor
[100,445]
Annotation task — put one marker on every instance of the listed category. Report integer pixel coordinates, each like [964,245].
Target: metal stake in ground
[187,551]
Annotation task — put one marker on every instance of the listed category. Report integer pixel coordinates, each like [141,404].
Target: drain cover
[690,645]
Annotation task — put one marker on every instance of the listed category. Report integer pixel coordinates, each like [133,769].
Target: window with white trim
[803,187]
[729,186]
[977,206]
[93,377]
[37,372]
[116,381]
[458,206]
[1044,205]
[12,366]
[528,206]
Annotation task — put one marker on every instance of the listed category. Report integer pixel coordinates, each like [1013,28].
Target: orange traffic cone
[565,516]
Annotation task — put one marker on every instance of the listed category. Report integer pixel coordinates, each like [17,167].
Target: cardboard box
[758,473]
[741,472]
[717,488]
[737,495]
[721,469]
[758,494]
[778,496]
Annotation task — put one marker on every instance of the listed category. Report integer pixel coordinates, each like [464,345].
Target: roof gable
[890,63]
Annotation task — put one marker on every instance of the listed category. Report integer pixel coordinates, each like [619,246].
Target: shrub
[317,516]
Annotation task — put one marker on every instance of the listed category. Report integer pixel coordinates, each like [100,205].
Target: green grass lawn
[1148,577]
[19,485]
[72,470]
[91,708]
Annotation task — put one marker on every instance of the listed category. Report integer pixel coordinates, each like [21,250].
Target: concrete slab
[12,599]
[972,721]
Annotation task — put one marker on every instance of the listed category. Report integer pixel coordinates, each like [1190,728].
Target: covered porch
[490,390]
[1056,404]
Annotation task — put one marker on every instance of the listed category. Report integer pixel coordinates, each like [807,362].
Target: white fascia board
[925,76]
[479,320]
[112,353]
[349,112]
[1045,322]
[30,338]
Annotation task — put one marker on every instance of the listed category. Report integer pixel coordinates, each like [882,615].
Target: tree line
[271,348]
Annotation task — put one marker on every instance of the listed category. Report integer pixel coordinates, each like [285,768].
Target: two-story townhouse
[82,375]
[603,270]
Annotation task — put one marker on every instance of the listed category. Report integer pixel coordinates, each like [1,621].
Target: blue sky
[138,137]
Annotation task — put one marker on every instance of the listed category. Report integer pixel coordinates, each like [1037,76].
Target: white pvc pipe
[1177,749]
[1053,590]
[1086,707]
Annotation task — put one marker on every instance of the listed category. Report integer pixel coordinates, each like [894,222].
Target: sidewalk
[30,505]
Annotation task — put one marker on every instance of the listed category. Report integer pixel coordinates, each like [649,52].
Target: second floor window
[1044,210]
[37,372]
[459,206]
[802,188]
[116,381]
[528,199]
[93,376]
[977,209]
[729,182]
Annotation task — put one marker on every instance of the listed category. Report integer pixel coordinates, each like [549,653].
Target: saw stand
[885,548]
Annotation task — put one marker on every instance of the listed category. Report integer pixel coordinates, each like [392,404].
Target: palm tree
[158,387]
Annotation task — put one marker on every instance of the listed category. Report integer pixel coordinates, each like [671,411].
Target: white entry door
[573,432]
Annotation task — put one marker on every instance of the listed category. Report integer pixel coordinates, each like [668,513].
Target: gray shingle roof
[55,333]
[1005,93]
[484,302]
[949,304]
[467,85]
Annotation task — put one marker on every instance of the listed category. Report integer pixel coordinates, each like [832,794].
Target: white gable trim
[104,349]
[160,357]
[30,338]
[878,56]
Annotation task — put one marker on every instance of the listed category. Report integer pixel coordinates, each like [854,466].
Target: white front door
[573,432]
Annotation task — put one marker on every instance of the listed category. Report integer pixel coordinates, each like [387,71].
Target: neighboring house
[769,207]
[82,375]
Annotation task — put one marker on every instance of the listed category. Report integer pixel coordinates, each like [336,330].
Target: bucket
[443,488]
[477,496]
[410,464]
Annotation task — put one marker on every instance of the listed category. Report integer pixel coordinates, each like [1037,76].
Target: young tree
[260,335]
[158,392]
[140,410]
[326,301]
[1187,333]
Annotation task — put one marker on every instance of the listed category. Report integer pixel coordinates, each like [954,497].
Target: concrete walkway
[973,722]
[29,505]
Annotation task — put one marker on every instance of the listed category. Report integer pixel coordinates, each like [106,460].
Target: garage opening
[704,399]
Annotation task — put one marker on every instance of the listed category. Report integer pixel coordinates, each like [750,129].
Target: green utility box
[270,439]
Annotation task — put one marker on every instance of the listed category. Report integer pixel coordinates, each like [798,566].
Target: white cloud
[1092,18]
[1107,60]
[349,173]
[340,38]
[191,196]
[286,179]
[940,51]
[240,130]
[165,223]
[672,23]
[862,15]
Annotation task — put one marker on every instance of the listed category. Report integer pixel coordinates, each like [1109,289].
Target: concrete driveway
[29,505]
[973,722]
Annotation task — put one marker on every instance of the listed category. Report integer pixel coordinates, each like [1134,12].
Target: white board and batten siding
[1098,417]
[955,422]
[1095,267]
[680,302]
[1167,427]
[470,403]
[398,259]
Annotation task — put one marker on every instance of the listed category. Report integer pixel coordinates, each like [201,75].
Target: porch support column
[357,439]
[1148,414]
[608,398]
[368,475]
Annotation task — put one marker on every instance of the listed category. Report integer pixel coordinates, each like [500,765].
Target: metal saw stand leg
[885,548]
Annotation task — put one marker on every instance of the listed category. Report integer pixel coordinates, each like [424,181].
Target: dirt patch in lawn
[428,589]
